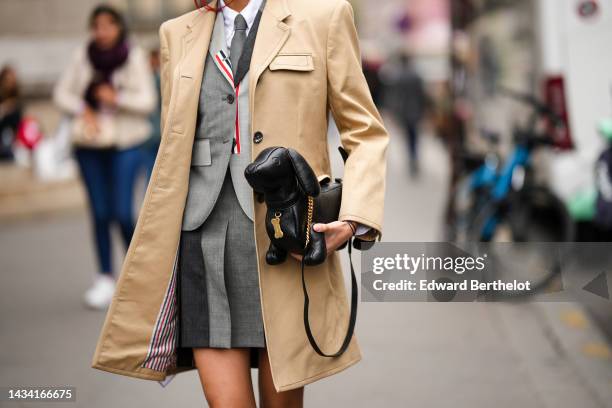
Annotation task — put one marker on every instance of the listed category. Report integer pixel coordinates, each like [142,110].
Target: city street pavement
[415,354]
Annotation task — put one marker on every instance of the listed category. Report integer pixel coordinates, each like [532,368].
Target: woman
[238,77]
[108,88]
[10,111]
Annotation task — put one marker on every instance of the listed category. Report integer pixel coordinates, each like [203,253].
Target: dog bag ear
[304,173]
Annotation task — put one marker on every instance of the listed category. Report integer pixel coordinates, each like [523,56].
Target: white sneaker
[100,294]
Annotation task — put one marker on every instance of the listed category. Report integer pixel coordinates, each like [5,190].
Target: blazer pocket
[201,153]
[293,62]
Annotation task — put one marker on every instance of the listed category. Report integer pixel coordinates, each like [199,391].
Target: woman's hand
[336,234]
[91,120]
[106,95]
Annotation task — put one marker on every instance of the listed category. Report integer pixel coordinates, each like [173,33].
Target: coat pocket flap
[294,61]
[201,153]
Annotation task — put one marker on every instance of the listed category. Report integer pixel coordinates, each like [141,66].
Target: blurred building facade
[418,27]
[39,36]
[556,50]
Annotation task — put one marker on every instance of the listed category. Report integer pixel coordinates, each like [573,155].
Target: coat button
[230,99]
[257,137]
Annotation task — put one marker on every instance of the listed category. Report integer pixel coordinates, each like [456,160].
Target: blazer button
[230,99]
[257,137]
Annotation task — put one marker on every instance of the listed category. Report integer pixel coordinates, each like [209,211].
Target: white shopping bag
[52,156]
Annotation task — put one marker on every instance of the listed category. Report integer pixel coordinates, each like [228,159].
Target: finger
[321,227]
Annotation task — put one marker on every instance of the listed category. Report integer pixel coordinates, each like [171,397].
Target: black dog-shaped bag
[295,201]
[289,186]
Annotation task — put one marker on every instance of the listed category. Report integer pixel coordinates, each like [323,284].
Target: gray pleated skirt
[219,301]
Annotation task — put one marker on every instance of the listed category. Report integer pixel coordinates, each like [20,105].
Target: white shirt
[249,13]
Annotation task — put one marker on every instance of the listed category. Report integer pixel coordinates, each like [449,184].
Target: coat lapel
[196,42]
[271,36]
[189,71]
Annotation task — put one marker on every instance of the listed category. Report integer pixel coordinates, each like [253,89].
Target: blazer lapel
[218,41]
[218,50]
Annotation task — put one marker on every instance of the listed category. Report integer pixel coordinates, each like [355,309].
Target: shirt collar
[249,13]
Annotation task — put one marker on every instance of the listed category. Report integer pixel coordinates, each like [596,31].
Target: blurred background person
[371,71]
[10,110]
[150,147]
[406,99]
[448,112]
[109,89]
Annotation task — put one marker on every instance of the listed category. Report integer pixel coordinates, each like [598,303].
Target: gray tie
[240,27]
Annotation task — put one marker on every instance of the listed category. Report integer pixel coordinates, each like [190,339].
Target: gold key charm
[278,232]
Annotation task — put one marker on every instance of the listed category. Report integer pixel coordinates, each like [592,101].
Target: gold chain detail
[309,219]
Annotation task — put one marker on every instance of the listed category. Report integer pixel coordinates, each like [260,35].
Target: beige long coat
[306,62]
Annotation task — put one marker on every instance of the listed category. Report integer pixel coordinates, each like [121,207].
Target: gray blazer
[212,150]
